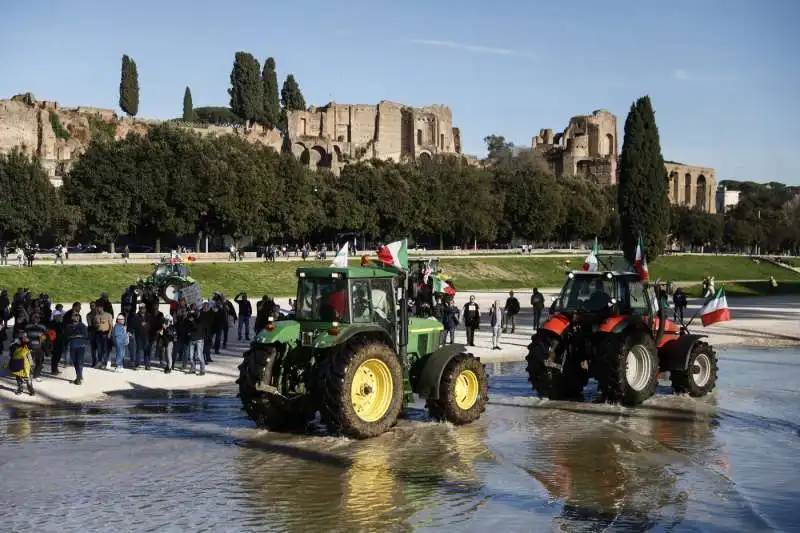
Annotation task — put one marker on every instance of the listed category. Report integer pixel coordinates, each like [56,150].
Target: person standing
[537,302]
[104,323]
[21,362]
[496,321]
[197,336]
[450,321]
[36,332]
[511,311]
[77,336]
[165,342]
[119,335]
[245,312]
[679,301]
[472,319]
[90,327]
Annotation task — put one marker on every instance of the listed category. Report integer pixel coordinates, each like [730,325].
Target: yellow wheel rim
[372,390]
[466,389]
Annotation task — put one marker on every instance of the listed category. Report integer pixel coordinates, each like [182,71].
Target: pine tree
[129,87]
[247,90]
[188,109]
[271,113]
[643,197]
[291,99]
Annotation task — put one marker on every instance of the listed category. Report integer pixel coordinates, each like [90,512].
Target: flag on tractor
[715,309]
[440,286]
[590,263]
[640,262]
[340,261]
[426,273]
[395,254]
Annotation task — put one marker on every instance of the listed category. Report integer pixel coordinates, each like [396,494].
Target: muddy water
[191,461]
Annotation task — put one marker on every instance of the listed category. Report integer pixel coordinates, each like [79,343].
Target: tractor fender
[556,324]
[674,354]
[427,386]
[618,323]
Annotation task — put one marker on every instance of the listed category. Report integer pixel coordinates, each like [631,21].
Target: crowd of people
[139,336]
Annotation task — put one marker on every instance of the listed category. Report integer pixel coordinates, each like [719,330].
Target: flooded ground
[192,461]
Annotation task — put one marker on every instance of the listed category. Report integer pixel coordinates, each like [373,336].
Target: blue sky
[722,73]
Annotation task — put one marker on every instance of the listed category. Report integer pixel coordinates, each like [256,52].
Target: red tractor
[612,326]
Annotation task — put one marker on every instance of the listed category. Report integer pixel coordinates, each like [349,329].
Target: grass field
[84,282]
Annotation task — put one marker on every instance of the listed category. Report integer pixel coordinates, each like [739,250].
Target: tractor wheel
[701,378]
[362,389]
[170,292]
[463,391]
[548,382]
[255,402]
[628,371]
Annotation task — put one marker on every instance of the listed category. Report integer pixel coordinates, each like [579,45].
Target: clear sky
[724,75]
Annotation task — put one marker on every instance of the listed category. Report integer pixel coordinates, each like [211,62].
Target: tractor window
[586,293]
[384,310]
[162,270]
[637,298]
[360,296]
[322,300]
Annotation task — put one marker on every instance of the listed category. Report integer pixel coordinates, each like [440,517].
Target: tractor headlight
[335,324]
[570,275]
[608,275]
[613,301]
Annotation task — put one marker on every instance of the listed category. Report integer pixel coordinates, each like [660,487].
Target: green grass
[83,282]
[791,261]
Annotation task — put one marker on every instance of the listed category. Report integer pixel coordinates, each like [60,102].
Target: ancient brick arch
[299,150]
[674,178]
[687,189]
[318,157]
[701,194]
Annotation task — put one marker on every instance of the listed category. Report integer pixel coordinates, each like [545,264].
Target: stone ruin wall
[589,147]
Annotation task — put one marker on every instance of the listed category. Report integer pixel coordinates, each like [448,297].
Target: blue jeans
[119,346]
[244,321]
[132,351]
[196,352]
[451,333]
[143,352]
[76,354]
[103,348]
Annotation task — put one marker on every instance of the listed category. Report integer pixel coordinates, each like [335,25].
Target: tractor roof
[349,272]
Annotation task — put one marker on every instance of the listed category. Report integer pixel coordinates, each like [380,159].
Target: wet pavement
[191,461]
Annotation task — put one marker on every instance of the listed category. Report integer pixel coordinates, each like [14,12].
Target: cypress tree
[129,87]
[291,99]
[247,90]
[642,196]
[188,109]
[271,113]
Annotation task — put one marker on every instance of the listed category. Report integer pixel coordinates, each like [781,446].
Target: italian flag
[441,286]
[716,309]
[640,262]
[590,263]
[395,254]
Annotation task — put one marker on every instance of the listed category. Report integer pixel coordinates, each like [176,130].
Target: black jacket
[512,305]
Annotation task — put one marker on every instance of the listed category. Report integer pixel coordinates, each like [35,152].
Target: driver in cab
[599,298]
[337,301]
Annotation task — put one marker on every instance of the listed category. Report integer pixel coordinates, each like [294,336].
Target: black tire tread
[445,407]
[336,409]
[613,364]
[682,381]
[255,404]
[548,382]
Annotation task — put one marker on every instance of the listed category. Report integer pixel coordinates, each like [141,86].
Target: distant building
[726,200]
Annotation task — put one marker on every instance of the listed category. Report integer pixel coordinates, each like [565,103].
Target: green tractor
[353,354]
[168,280]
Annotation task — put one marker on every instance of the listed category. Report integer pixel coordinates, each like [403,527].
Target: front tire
[253,370]
[463,391]
[628,371]
[170,292]
[363,389]
[701,377]
[549,382]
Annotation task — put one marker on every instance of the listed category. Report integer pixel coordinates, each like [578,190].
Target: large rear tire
[362,389]
[252,372]
[549,382]
[169,293]
[463,391]
[701,377]
[628,372]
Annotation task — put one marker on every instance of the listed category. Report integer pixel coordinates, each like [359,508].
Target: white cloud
[680,75]
[471,47]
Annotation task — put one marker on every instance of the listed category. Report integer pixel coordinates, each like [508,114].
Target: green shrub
[60,131]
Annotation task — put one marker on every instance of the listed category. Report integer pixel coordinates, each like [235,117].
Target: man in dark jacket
[472,319]
[129,300]
[105,303]
[206,321]
[245,312]
[537,302]
[450,321]
[511,311]
[680,302]
[36,332]
[76,336]
[263,310]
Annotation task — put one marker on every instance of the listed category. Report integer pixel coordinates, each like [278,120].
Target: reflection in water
[378,485]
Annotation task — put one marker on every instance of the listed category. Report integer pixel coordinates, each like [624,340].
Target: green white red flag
[640,262]
[590,263]
[395,254]
[440,286]
[715,309]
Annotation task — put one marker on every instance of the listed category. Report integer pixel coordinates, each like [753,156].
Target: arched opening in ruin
[441,140]
[674,178]
[337,152]
[419,137]
[687,189]
[583,169]
[305,158]
[701,200]
[609,147]
[298,149]
[318,157]
[425,157]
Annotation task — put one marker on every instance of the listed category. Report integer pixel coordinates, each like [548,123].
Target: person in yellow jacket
[21,362]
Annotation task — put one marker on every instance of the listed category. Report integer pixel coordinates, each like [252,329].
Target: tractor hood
[285,332]
[424,325]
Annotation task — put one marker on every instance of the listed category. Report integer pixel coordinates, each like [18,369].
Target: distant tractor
[168,280]
[612,326]
[353,354]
